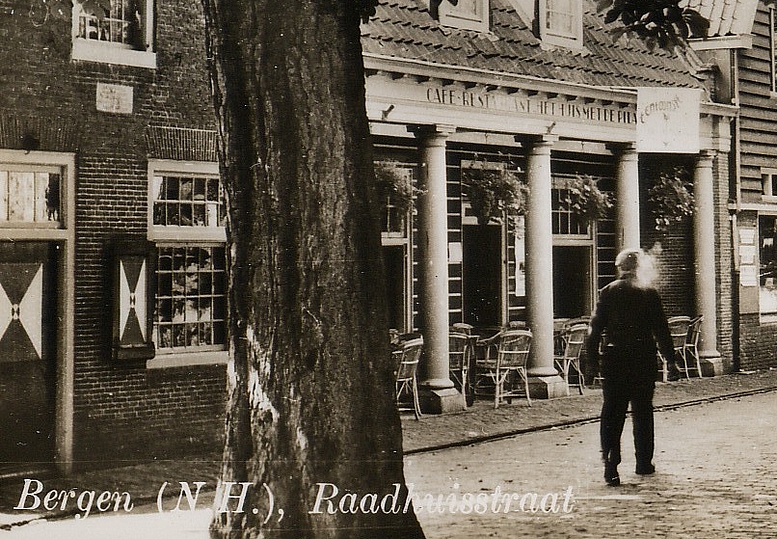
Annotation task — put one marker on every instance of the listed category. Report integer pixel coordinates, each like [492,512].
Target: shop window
[30,196]
[561,22]
[767,232]
[123,34]
[186,222]
[465,14]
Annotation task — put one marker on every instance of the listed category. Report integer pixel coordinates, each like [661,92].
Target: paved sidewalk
[479,422]
[482,422]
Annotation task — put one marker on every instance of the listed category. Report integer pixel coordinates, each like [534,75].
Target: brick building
[108,182]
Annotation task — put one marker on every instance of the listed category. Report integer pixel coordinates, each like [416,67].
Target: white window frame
[768,181]
[767,316]
[553,36]
[116,53]
[458,17]
[773,51]
[166,236]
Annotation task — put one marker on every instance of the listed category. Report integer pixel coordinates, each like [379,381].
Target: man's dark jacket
[633,321]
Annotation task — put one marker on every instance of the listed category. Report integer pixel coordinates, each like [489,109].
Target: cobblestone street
[715,478]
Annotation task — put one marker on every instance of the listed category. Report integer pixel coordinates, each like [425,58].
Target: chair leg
[565,373]
[580,380]
[416,403]
[526,386]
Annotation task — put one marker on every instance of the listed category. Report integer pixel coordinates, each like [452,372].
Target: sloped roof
[727,17]
[405,29]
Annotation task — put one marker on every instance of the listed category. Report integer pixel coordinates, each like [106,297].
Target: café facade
[540,88]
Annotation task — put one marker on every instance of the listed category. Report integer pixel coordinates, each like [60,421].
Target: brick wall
[120,410]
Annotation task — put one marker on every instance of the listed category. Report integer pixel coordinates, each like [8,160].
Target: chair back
[459,350]
[568,324]
[408,357]
[574,340]
[694,330]
[678,328]
[514,345]
[461,327]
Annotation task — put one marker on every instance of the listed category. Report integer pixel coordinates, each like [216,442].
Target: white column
[627,198]
[704,253]
[433,264]
[539,257]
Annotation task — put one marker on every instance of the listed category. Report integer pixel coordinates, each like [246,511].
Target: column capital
[432,132]
[705,158]
[707,154]
[625,150]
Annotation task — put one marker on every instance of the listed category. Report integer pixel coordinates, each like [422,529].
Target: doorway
[27,345]
[395,264]
[572,281]
[482,275]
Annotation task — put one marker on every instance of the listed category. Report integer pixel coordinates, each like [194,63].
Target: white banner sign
[668,120]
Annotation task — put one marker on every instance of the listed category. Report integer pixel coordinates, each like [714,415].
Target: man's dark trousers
[618,392]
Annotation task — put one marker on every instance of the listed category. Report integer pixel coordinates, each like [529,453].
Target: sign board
[668,120]
[114,98]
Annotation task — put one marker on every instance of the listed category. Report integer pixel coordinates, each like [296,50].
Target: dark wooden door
[27,366]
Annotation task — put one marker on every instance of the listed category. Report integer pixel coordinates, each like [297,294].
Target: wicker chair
[503,366]
[406,359]
[574,342]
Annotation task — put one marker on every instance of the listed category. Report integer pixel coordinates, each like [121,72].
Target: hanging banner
[668,120]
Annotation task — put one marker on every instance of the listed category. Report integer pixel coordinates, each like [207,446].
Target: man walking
[632,319]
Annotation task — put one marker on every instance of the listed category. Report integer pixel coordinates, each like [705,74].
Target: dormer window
[466,15]
[561,22]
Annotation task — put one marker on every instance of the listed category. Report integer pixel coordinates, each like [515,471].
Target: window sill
[165,361]
[105,53]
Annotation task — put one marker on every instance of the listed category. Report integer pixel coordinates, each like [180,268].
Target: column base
[441,401]
[711,363]
[547,387]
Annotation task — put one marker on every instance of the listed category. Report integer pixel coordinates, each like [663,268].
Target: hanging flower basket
[492,192]
[395,182]
[585,200]
[670,198]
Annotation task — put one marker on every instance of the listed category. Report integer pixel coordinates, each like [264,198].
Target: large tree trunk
[310,380]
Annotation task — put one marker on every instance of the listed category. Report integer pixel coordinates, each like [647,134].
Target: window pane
[121,24]
[191,298]
[29,196]
[561,17]
[187,201]
[768,260]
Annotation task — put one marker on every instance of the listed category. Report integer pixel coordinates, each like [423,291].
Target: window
[561,22]
[29,196]
[769,182]
[767,281]
[190,310]
[466,15]
[124,34]
[186,220]
[565,221]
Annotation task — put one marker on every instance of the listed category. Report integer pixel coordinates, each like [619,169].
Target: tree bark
[310,381]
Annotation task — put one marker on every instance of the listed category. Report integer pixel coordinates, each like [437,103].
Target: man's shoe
[645,469]
[611,476]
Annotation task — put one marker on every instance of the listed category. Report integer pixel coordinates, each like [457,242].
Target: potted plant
[395,183]
[494,191]
[670,199]
[585,200]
